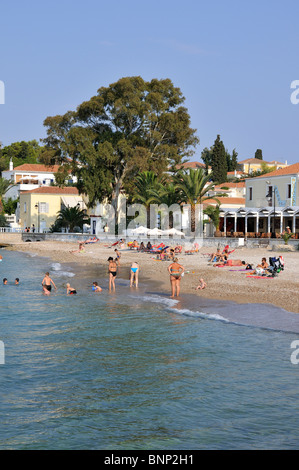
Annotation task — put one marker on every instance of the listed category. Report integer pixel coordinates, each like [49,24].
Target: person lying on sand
[80,249]
[232,262]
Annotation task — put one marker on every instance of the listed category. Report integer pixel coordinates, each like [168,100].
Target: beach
[228,283]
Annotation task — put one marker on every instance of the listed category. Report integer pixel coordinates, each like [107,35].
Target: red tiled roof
[253,160]
[53,190]
[288,170]
[191,165]
[231,185]
[37,167]
[227,200]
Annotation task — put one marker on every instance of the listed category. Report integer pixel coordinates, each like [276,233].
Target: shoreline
[227,284]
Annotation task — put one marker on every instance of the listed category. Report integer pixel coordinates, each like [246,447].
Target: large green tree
[130,126]
[20,153]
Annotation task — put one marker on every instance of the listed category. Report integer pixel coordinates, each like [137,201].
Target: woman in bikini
[175,270]
[112,270]
[134,274]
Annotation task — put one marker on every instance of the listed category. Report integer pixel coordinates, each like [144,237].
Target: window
[270,191]
[289,191]
[44,207]
[25,207]
[250,194]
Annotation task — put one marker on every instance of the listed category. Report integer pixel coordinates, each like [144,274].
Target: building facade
[39,207]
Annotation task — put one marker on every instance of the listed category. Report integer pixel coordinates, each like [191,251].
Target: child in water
[96,287]
[70,290]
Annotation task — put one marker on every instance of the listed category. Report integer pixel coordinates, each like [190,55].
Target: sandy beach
[229,283]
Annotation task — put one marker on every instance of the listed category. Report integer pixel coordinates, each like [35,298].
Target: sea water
[136,370]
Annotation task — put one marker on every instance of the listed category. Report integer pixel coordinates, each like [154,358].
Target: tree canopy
[220,160]
[258,154]
[20,153]
[130,126]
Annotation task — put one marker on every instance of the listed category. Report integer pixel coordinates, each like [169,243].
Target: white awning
[73,201]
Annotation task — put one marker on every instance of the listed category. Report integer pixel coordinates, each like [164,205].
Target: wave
[56,267]
[172,304]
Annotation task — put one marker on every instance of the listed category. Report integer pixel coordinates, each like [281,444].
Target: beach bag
[260,271]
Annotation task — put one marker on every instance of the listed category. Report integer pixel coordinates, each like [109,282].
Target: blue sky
[234,63]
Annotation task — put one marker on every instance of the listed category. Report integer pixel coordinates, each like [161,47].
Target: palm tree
[5,185]
[213,212]
[194,185]
[71,217]
[146,191]
[168,194]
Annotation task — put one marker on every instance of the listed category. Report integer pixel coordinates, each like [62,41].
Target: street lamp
[37,207]
[269,197]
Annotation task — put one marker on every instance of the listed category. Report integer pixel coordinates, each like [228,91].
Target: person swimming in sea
[96,287]
[47,284]
[17,281]
[134,274]
[70,290]
[112,270]
[5,281]
[175,270]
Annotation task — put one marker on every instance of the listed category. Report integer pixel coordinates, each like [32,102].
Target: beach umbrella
[139,230]
[155,231]
[173,231]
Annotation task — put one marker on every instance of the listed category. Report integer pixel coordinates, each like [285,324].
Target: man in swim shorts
[112,270]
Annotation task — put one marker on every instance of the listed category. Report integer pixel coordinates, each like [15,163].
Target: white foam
[64,274]
[171,303]
[58,273]
[209,316]
[56,267]
[158,299]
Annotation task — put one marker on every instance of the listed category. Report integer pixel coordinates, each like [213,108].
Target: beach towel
[261,277]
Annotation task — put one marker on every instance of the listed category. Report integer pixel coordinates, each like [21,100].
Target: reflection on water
[137,370]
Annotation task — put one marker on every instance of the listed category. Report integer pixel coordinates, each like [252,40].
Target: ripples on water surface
[126,371]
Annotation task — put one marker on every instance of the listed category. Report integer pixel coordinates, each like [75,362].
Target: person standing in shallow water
[134,274]
[112,270]
[175,270]
[47,284]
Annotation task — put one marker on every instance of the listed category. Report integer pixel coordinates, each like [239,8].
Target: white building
[28,177]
